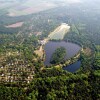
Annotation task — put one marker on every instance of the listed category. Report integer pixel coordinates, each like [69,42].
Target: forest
[23,75]
[55,84]
[58,56]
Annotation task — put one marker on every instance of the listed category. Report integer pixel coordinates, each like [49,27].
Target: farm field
[29,7]
[59,32]
[15,8]
[19,24]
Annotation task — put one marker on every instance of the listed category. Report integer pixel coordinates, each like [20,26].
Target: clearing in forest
[40,52]
[59,32]
[19,24]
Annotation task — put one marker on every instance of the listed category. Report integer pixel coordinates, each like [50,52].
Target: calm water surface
[73,67]
[51,46]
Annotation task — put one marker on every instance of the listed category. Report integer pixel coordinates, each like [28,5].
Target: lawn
[59,32]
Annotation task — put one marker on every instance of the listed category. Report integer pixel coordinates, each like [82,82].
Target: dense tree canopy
[23,75]
[58,56]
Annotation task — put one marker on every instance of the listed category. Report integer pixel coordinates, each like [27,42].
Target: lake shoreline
[67,61]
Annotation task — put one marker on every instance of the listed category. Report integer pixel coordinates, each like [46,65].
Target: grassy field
[25,7]
[29,7]
[59,32]
[40,52]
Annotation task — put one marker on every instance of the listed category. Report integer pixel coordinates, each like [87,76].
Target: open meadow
[59,32]
[29,7]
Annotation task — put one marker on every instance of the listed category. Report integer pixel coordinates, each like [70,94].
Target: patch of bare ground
[87,51]
[11,14]
[40,52]
[19,24]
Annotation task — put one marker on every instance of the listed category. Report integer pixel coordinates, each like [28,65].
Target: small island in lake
[58,56]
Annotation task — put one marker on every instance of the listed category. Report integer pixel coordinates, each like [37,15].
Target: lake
[51,46]
[73,67]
